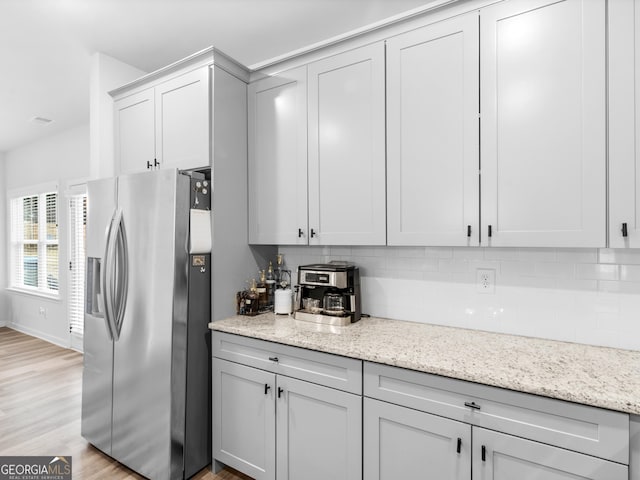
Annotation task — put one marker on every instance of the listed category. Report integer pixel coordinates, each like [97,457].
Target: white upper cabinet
[432,134]
[135,134]
[543,157]
[182,121]
[624,126]
[278,159]
[346,156]
[164,126]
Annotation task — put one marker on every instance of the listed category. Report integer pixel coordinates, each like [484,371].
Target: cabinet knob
[156,163]
[273,359]
[148,165]
[484,453]
[300,233]
[468,230]
[280,390]
[459,447]
[489,233]
[313,233]
[266,388]
[625,233]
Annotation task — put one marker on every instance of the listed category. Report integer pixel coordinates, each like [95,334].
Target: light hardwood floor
[40,400]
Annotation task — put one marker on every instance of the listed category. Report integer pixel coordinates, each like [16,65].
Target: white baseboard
[3,323]
[61,342]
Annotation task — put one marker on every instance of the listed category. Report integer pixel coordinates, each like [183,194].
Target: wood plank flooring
[40,402]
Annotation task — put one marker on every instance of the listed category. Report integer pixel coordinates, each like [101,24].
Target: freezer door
[149,355]
[97,373]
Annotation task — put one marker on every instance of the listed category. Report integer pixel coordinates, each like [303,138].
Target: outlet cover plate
[486,280]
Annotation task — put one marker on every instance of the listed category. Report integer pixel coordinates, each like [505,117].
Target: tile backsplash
[579,295]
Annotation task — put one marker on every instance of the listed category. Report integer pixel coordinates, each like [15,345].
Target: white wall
[107,73]
[4,311]
[579,295]
[61,158]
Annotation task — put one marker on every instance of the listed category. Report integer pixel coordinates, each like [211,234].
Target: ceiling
[46,45]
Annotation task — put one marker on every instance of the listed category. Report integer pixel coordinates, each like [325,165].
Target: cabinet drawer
[594,431]
[322,368]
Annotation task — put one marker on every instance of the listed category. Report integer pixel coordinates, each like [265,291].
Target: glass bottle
[271,285]
[261,289]
[252,299]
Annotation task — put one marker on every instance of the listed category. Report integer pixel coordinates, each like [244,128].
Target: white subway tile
[537,254]
[620,256]
[406,252]
[630,273]
[468,278]
[555,270]
[499,253]
[439,252]
[469,253]
[577,255]
[406,274]
[453,266]
[516,269]
[341,251]
[369,251]
[597,271]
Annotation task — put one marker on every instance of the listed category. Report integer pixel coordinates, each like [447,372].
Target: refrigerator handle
[108,280]
[122,271]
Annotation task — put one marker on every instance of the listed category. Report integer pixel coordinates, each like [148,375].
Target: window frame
[16,242]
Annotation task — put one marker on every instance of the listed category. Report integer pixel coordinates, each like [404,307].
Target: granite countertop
[597,376]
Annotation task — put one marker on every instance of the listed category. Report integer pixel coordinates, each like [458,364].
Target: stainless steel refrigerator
[146,379]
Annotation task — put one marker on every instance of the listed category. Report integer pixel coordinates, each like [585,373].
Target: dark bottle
[261,289]
[251,300]
[271,286]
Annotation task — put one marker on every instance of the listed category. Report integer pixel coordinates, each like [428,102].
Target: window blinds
[34,242]
[78,223]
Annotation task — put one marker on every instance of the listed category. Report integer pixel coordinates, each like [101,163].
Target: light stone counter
[597,376]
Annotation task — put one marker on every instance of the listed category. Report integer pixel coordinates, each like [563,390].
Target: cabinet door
[347,148]
[624,126]
[134,129]
[278,159]
[543,123]
[508,458]
[432,134]
[244,432]
[404,443]
[319,432]
[182,121]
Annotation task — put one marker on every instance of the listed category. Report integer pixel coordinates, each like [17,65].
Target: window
[77,239]
[34,243]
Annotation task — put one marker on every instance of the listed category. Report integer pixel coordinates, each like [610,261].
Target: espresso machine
[328,293]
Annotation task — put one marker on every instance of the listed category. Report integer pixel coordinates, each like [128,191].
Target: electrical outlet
[486,280]
[43,312]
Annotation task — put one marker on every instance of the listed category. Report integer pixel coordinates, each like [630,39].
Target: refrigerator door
[149,355]
[98,345]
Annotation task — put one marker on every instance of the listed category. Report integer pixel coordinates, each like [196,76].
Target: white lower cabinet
[243,418]
[400,442]
[272,426]
[412,438]
[318,431]
[498,456]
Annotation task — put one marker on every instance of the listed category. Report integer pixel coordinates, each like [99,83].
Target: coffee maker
[328,293]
